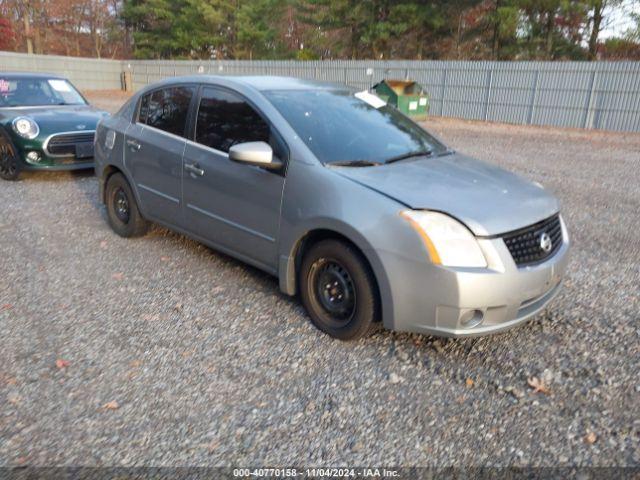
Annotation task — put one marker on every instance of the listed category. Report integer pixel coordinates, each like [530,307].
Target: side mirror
[259,154]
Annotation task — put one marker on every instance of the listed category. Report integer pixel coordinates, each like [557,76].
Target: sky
[619,19]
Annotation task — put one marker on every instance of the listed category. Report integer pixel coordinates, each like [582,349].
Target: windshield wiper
[355,163]
[404,156]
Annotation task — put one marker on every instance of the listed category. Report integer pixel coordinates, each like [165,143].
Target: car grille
[65,143]
[525,244]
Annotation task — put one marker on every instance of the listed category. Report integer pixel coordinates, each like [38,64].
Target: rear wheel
[122,210]
[9,166]
[338,290]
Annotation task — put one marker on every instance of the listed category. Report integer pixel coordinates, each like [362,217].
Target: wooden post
[127,84]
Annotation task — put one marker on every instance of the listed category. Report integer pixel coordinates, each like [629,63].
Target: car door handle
[133,145]
[194,169]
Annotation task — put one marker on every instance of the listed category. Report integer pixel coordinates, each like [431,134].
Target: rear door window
[167,109]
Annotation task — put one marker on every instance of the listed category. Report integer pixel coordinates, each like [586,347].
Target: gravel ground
[159,351]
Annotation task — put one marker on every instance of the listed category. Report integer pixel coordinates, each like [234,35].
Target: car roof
[14,75]
[258,82]
[264,82]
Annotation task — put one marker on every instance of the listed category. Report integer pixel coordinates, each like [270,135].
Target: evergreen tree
[342,25]
[379,29]
[259,25]
[155,27]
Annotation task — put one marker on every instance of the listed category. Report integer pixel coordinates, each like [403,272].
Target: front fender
[288,262]
[316,198]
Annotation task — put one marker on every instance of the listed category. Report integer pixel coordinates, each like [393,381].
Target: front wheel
[122,210]
[338,290]
[9,167]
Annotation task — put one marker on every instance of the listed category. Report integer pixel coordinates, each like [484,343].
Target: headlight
[26,128]
[448,242]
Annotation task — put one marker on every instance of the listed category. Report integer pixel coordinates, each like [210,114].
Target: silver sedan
[351,205]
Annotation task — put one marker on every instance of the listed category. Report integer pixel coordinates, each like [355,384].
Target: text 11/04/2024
[316,473]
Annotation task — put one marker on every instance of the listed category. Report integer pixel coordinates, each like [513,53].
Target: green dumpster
[407,96]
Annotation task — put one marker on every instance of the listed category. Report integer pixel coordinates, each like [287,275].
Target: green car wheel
[9,167]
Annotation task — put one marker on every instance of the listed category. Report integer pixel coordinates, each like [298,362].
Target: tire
[122,209]
[9,164]
[338,290]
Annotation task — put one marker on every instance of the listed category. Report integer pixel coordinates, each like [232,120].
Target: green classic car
[45,124]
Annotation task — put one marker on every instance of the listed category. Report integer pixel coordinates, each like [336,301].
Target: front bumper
[55,163]
[457,302]
[48,161]
[60,167]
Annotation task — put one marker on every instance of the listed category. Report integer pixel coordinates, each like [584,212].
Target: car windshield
[35,92]
[341,128]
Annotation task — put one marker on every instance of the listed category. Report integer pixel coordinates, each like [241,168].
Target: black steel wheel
[9,166]
[121,205]
[122,210]
[338,290]
[334,290]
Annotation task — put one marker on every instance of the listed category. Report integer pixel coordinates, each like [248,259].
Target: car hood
[488,199]
[57,118]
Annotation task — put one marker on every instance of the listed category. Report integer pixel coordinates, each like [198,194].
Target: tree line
[322,29]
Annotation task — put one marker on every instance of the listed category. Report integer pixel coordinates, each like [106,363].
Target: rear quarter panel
[109,147]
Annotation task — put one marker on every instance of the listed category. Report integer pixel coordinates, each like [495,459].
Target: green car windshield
[36,92]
